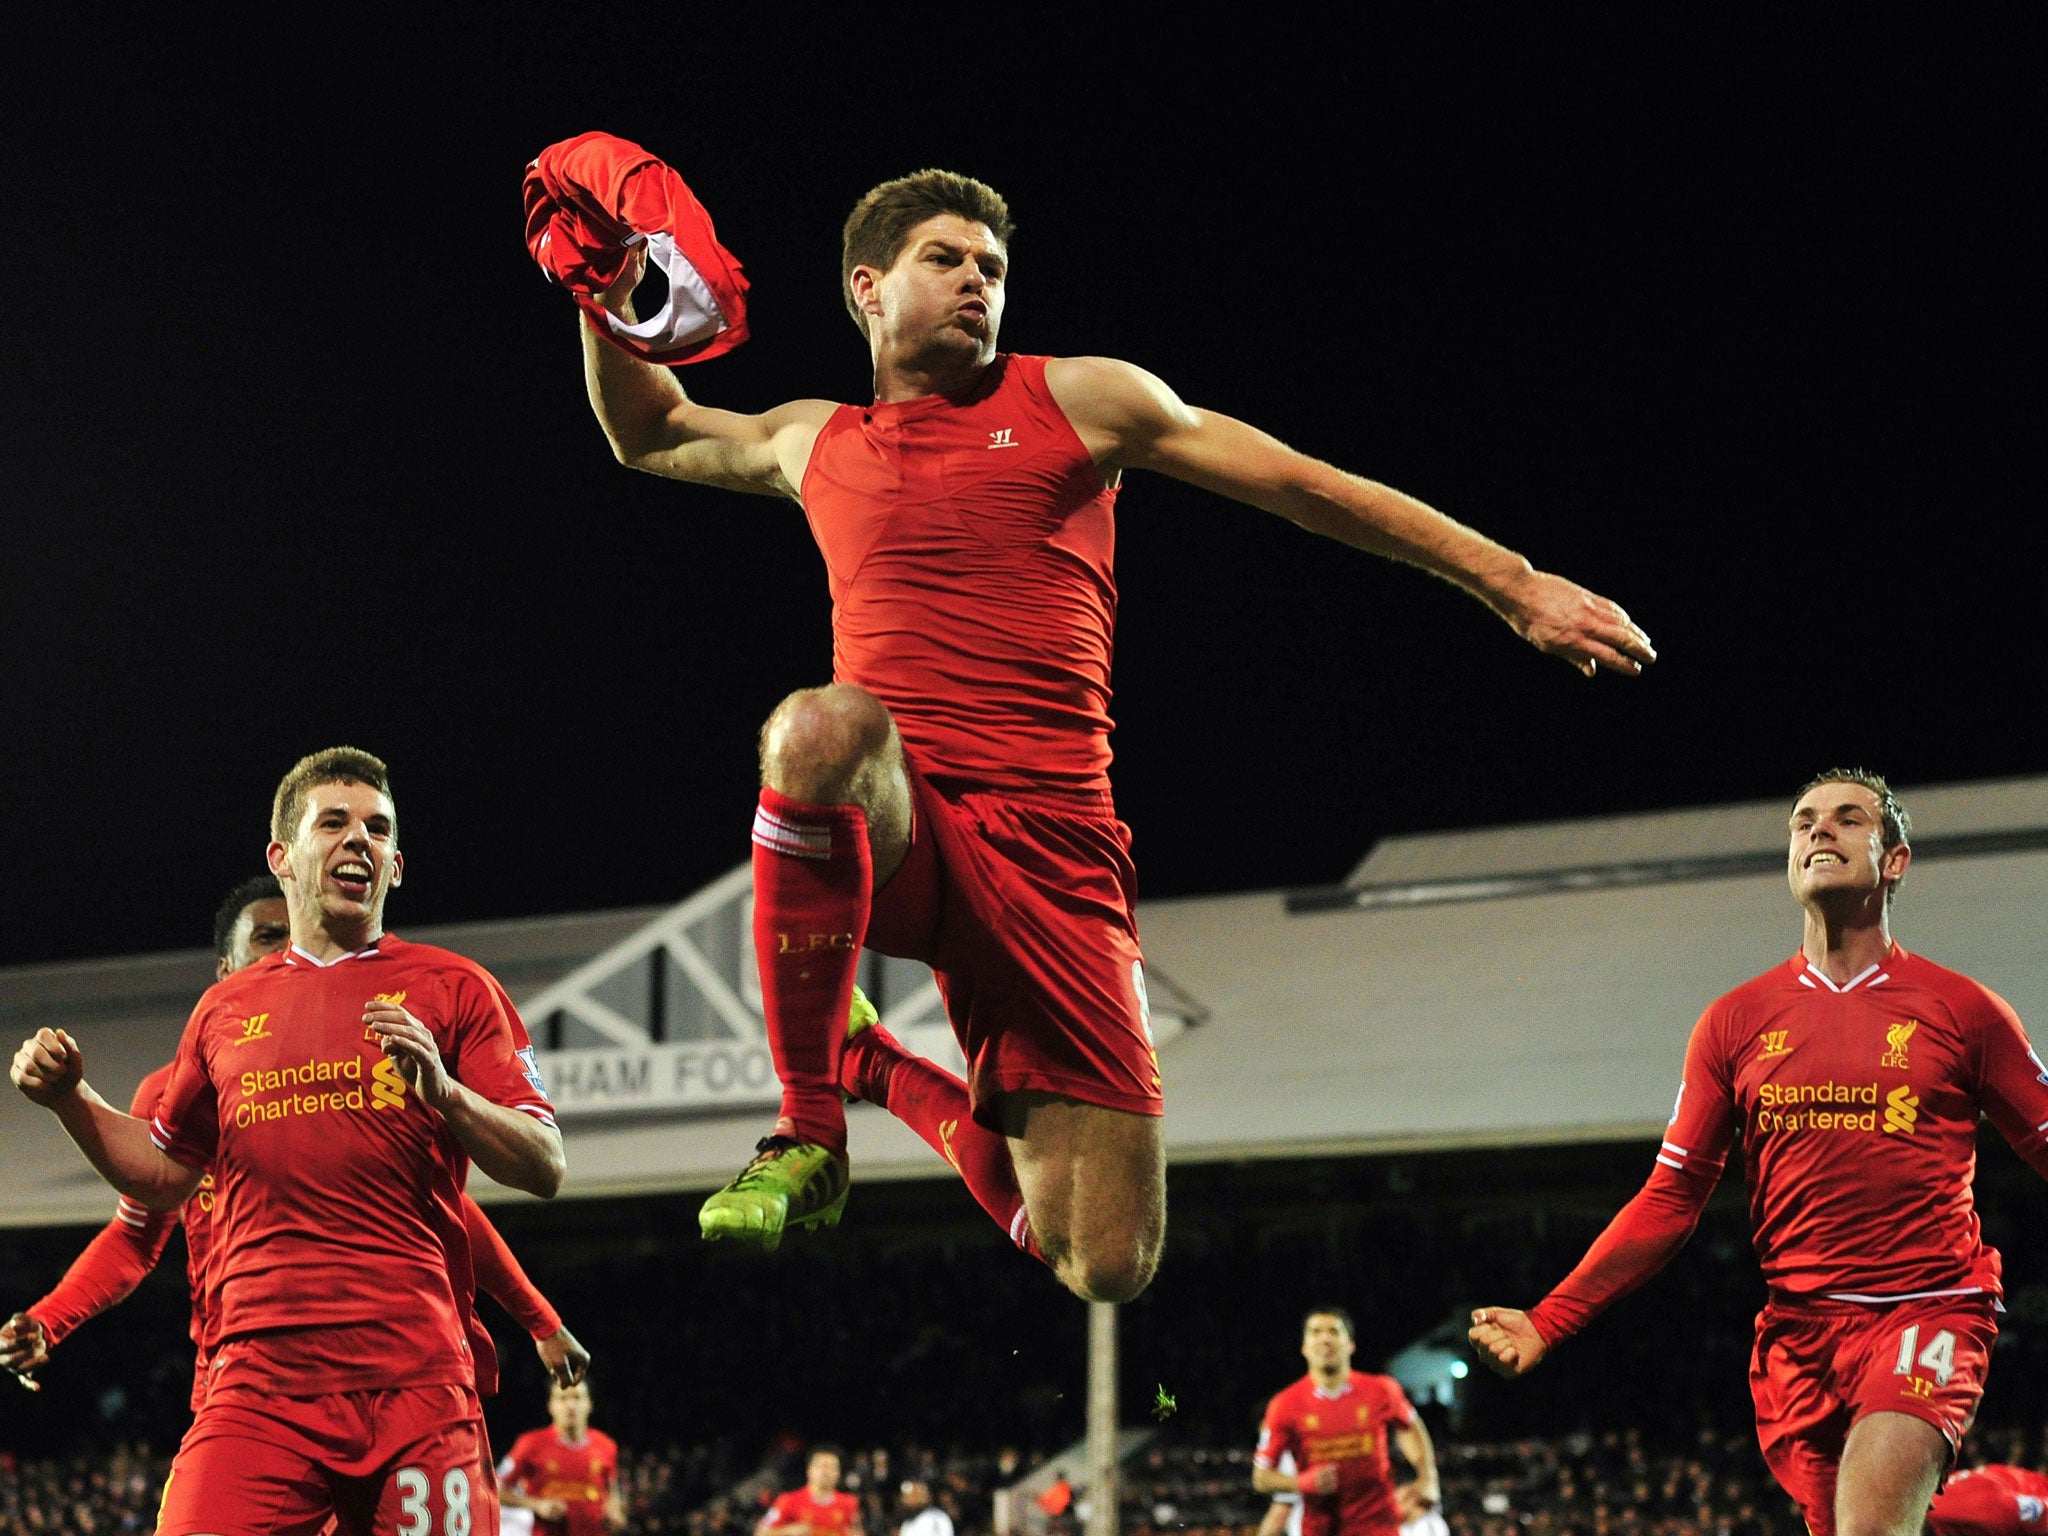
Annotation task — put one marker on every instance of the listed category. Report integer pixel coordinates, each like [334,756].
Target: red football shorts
[1819,1366]
[1021,904]
[409,1459]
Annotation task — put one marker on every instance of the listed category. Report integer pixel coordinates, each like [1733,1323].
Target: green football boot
[789,1184]
[858,1017]
[861,1014]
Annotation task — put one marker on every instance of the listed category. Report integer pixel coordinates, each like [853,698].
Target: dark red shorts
[1021,905]
[408,1459]
[1820,1366]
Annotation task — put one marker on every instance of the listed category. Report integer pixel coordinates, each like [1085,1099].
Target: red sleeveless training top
[969,540]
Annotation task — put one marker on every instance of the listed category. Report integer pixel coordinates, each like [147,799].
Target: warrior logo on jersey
[254,1028]
[1895,1040]
[1772,1042]
[1901,1110]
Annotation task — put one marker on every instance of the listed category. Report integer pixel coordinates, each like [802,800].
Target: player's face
[1326,1343]
[569,1407]
[944,291]
[343,860]
[1838,845]
[823,1473]
[263,928]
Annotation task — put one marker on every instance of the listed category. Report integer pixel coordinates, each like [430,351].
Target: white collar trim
[1870,973]
[296,954]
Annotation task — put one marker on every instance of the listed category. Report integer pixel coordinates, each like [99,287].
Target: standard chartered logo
[316,1087]
[387,1085]
[1901,1110]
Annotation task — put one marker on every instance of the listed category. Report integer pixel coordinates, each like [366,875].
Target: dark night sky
[1732,325]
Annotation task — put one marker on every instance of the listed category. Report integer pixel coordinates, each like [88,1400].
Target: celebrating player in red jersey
[947,797]
[568,1473]
[1991,1501]
[1856,1074]
[339,1091]
[816,1509]
[251,922]
[1335,1425]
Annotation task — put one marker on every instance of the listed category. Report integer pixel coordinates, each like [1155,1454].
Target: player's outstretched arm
[50,1069]
[510,1146]
[1129,419]
[105,1273]
[654,426]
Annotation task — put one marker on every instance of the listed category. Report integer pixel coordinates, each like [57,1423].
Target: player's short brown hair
[882,221]
[335,765]
[1350,1332]
[1897,826]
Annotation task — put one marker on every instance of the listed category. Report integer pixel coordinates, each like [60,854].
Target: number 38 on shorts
[416,1511]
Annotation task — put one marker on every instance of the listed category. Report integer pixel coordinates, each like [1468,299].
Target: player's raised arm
[653,425]
[1129,419]
[50,1069]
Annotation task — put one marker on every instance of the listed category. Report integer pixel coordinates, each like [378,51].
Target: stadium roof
[1514,985]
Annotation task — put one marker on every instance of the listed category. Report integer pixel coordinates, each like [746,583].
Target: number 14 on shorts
[1939,1357]
[416,1519]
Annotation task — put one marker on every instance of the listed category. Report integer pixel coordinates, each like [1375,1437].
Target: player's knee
[1110,1277]
[1103,1267]
[819,743]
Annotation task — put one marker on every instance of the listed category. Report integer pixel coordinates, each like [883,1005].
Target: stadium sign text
[687,1075]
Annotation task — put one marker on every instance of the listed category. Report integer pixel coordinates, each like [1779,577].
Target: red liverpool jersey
[1991,1501]
[1349,1427]
[1858,1110]
[339,1240]
[969,541]
[542,1465]
[835,1513]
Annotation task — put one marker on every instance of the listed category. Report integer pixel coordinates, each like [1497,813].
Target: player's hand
[1320,1478]
[1414,1501]
[1507,1341]
[48,1066]
[1561,618]
[411,1044]
[549,1509]
[565,1359]
[24,1346]
[619,297]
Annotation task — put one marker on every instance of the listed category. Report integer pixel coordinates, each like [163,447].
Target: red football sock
[812,890]
[933,1102]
